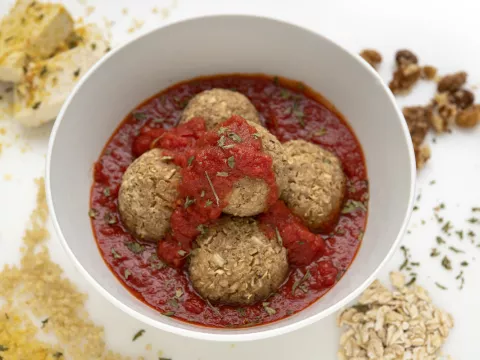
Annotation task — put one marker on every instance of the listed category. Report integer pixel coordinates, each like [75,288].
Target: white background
[442,33]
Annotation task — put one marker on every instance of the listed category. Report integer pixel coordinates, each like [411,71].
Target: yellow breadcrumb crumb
[136,25]
[165,13]
[38,286]
[89,10]
[7,177]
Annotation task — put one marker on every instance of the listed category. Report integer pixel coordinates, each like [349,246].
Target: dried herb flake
[213,189]
[456,250]
[135,247]
[269,310]
[138,334]
[115,254]
[353,205]
[188,202]
[446,263]
[231,162]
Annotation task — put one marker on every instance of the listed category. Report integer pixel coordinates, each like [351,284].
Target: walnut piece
[438,123]
[422,155]
[393,325]
[373,57]
[462,98]
[404,78]
[418,119]
[429,72]
[452,82]
[469,117]
[405,57]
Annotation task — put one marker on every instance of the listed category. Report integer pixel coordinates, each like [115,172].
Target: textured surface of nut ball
[217,105]
[316,184]
[147,195]
[249,196]
[236,264]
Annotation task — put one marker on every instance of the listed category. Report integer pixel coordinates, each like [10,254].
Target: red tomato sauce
[289,110]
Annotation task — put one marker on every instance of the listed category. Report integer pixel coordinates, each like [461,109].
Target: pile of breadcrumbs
[38,287]
[398,325]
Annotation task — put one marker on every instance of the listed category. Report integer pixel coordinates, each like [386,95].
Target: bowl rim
[229,337]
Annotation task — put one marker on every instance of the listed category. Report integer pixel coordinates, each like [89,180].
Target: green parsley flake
[440,286]
[279,237]
[455,250]
[178,293]
[190,160]
[213,189]
[135,247]
[285,94]
[270,311]
[300,282]
[231,162]
[138,334]
[173,302]
[447,227]
[235,137]
[115,254]
[110,218]
[320,132]
[440,241]
[188,202]
[202,229]
[139,115]
[353,205]
[434,252]
[446,263]
[127,274]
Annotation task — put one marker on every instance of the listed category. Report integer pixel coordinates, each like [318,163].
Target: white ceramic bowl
[216,45]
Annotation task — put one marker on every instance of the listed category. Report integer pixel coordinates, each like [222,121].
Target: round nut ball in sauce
[249,196]
[147,195]
[217,105]
[236,264]
[316,184]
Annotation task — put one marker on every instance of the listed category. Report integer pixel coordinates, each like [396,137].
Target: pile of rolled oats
[398,325]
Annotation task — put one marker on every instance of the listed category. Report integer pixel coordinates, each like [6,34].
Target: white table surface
[442,33]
